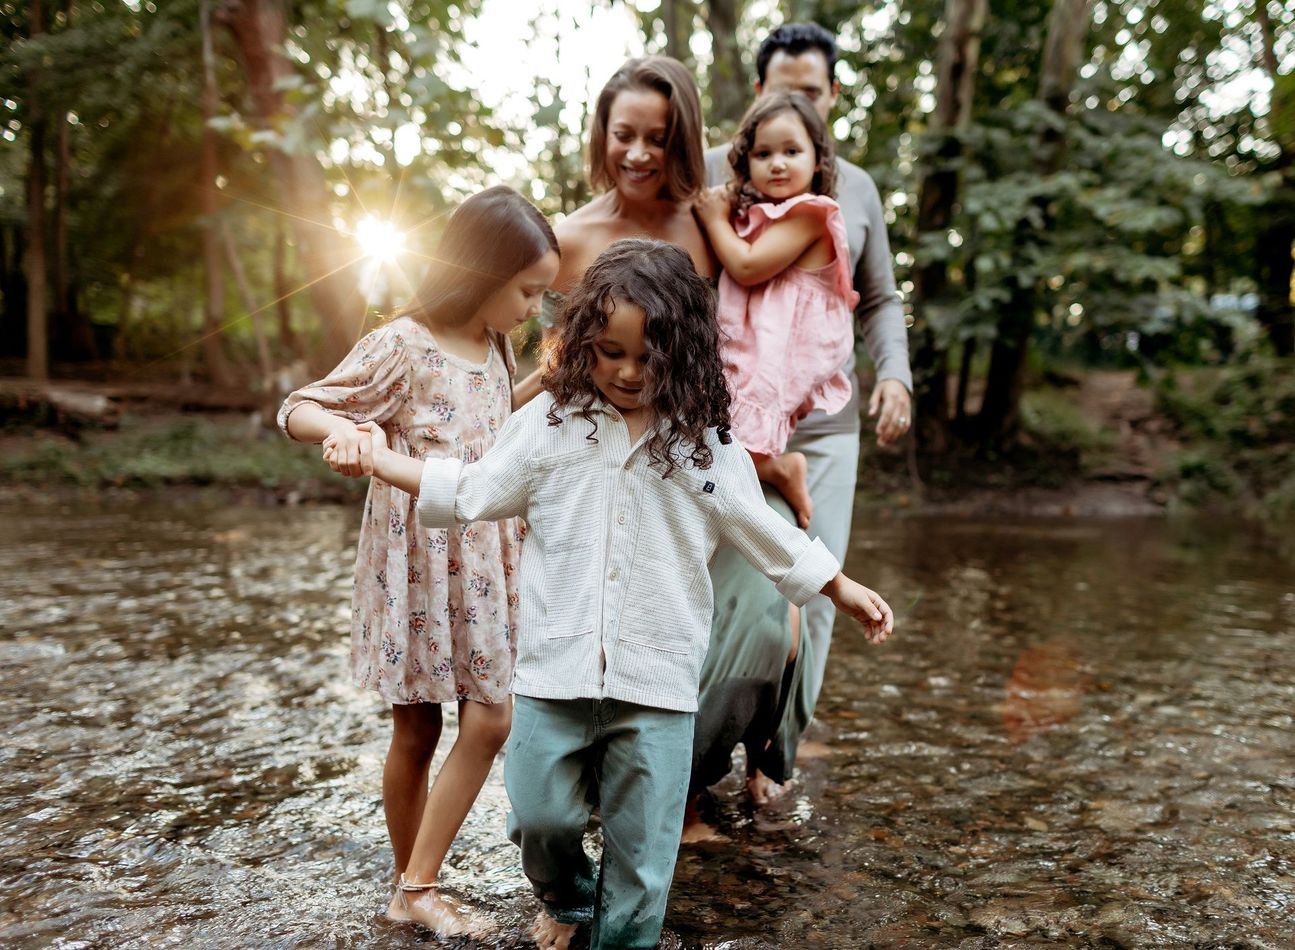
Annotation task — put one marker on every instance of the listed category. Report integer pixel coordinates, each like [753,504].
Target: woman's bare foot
[695,828]
[548,934]
[789,473]
[763,789]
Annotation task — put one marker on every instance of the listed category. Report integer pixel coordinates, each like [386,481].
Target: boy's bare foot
[695,828]
[763,789]
[548,934]
[789,473]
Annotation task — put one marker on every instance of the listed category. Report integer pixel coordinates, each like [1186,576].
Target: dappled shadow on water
[1081,736]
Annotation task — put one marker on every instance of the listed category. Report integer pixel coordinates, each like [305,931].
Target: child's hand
[377,436]
[711,204]
[864,605]
[350,451]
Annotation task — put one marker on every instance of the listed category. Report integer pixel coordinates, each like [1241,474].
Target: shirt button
[613,574]
[620,519]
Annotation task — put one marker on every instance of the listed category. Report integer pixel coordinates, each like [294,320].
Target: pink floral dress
[784,341]
[434,612]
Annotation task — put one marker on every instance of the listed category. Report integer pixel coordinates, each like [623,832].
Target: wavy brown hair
[742,194]
[488,241]
[685,167]
[683,379]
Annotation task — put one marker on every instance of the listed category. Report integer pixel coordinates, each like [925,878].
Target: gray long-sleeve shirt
[880,314]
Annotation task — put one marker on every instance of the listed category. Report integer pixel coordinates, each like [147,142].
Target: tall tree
[728,86]
[1067,29]
[208,171]
[259,28]
[678,18]
[957,62]
[37,305]
[1273,262]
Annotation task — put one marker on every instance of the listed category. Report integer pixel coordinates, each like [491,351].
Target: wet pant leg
[548,767]
[643,785]
[833,471]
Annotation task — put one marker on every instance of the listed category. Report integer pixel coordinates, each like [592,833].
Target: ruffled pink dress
[434,613]
[784,341]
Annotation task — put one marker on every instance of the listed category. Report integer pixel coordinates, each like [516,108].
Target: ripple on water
[1067,744]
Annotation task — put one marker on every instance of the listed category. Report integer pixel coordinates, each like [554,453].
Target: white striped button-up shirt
[615,591]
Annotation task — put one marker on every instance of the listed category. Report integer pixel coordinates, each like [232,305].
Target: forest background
[1091,206]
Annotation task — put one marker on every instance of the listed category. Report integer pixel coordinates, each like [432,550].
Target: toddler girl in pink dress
[786,298]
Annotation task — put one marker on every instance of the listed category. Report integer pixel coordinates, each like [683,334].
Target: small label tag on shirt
[709,488]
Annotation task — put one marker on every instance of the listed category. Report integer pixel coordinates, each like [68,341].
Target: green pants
[565,756]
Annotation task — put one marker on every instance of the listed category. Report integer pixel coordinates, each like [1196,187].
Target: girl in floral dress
[434,611]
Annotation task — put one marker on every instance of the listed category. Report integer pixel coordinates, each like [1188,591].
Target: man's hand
[893,406]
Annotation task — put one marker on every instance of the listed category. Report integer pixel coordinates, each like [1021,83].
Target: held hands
[864,605]
[711,204]
[350,452]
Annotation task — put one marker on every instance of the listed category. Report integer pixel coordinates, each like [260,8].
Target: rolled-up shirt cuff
[812,570]
[437,491]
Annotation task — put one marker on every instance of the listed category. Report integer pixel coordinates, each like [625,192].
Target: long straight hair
[685,167]
[488,240]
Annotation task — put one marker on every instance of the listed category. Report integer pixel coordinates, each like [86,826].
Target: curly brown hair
[742,194]
[684,377]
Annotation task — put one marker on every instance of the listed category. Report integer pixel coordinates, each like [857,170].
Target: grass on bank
[146,452]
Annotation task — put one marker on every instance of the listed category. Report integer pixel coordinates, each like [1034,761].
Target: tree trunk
[34,262]
[249,304]
[213,314]
[1273,262]
[283,293]
[1000,412]
[73,336]
[13,332]
[259,28]
[677,17]
[958,60]
[729,90]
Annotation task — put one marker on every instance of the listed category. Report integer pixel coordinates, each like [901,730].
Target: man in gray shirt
[801,57]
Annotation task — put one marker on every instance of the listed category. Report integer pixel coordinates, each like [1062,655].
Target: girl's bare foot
[789,473]
[763,789]
[439,913]
[396,909]
[695,828]
[548,934]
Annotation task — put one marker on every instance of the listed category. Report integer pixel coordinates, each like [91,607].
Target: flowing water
[1081,736]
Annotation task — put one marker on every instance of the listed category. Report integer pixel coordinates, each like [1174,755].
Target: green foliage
[1238,429]
[1051,419]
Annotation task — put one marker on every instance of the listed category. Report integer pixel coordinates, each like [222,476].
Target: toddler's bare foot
[548,934]
[763,789]
[789,473]
[695,828]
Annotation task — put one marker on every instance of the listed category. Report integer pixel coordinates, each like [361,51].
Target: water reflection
[1082,737]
